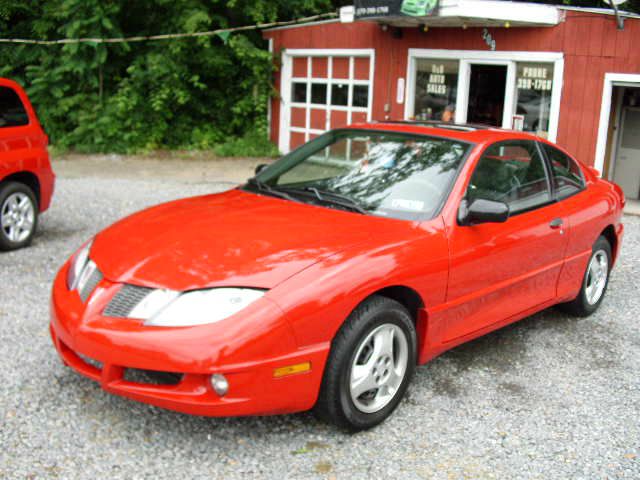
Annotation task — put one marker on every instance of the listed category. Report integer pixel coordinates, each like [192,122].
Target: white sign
[437,81]
[518,123]
[400,91]
[535,78]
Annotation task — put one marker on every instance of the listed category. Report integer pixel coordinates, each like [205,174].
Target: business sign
[395,8]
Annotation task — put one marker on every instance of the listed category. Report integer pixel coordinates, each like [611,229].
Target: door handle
[556,223]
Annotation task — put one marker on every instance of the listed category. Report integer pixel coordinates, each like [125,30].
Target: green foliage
[188,93]
[252,144]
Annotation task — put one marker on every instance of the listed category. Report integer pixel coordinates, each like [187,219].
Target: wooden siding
[591,44]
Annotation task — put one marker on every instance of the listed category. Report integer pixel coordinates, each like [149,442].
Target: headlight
[78,262]
[166,308]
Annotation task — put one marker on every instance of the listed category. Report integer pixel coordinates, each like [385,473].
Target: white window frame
[287,79]
[467,58]
[610,80]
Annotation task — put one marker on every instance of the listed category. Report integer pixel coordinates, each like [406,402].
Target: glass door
[487,88]
[487,93]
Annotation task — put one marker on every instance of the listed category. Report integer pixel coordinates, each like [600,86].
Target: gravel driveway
[548,397]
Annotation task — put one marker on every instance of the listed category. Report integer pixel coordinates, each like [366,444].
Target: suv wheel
[18,215]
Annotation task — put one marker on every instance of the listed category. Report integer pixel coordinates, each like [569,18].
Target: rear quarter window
[12,111]
[567,176]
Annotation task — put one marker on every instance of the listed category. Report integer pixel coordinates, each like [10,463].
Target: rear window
[12,112]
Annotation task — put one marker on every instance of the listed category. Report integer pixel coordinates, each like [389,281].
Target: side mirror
[260,168]
[482,211]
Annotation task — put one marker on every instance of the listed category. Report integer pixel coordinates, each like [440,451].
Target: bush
[253,144]
[203,93]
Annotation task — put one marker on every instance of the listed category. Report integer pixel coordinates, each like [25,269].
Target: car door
[501,270]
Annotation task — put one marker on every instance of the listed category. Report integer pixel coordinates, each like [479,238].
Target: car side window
[12,112]
[512,172]
[567,176]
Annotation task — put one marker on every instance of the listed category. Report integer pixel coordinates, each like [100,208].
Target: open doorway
[622,161]
[487,86]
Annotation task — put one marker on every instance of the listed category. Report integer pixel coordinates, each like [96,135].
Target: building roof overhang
[480,13]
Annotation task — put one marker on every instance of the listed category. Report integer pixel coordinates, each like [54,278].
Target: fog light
[219,384]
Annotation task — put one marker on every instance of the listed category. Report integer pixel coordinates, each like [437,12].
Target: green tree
[195,92]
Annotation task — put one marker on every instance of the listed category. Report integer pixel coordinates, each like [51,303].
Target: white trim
[491,10]
[285,100]
[333,52]
[599,11]
[270,99]
[471,57]
[329,80]
[517,56]
[287,81]
[610,80]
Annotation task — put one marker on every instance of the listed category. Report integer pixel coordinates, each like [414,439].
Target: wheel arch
[610,234]
[27,178]
[413,302]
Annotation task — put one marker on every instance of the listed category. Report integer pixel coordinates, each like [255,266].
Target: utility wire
[169,36]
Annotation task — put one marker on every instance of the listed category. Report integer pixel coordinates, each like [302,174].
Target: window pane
[12,112]
[567,177]
[319,93]
[535,83]
[299,94]
[511,172]
[436,89]
[360,96]
[340,94]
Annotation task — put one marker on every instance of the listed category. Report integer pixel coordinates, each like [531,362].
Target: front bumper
[105,349]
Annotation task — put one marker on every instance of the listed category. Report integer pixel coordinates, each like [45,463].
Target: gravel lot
[549,397]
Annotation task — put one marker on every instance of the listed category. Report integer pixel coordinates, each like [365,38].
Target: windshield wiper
[330,198]
[263,187]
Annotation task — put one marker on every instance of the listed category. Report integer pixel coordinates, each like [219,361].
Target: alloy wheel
[378,368]
[17,217]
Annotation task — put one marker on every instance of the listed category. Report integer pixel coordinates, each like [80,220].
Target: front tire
[18,215]
[371,362]
[594,282]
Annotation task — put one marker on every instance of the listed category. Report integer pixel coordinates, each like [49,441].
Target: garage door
[324,91]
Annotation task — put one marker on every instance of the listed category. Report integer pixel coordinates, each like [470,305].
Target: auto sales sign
[394,8]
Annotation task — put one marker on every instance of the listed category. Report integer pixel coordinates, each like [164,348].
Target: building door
[487,87]
[322,90]
[627,165]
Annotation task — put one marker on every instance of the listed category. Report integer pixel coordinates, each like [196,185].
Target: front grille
[90,285]
[127,298]
[153,377]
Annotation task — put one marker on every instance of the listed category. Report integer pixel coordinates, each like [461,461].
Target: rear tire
[18,215]
[594,283]
[370,365]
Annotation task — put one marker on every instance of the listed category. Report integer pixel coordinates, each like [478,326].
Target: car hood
[235,238]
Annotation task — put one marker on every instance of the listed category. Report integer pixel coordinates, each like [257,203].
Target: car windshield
[379,173]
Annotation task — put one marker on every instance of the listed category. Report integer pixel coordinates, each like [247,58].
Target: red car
[331,274]
[26,177]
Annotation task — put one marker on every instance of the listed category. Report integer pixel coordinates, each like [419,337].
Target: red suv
[26,177]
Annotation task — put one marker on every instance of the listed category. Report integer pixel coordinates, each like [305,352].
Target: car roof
[465,132]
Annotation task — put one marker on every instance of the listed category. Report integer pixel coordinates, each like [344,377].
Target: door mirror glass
[482,211]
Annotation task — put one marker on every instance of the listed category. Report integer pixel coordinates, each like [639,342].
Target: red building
[571,75]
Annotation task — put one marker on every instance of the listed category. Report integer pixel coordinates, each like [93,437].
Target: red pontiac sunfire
[332,273]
